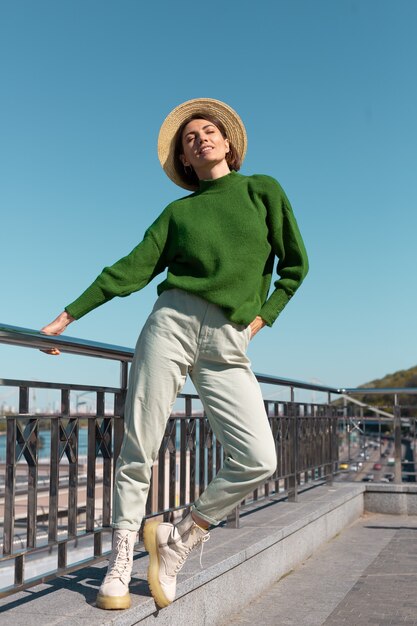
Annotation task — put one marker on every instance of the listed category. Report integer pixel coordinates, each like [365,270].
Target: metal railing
[57,475]
[390,426]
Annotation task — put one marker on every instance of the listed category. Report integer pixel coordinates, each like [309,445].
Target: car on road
[389,476]
[377,467]
[343,466]
[368,478]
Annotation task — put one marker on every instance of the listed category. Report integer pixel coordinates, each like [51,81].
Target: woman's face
[203,145]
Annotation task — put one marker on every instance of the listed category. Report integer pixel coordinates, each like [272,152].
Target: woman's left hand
[56,328]
[255,326]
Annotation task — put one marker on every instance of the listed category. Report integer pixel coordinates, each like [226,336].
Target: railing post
[119,409]
[397,441]
[91,473]
[233,518]
[292,481]
[332,433]
[32,462]
[10,487]
[53,481]
[124,373]
[347,425]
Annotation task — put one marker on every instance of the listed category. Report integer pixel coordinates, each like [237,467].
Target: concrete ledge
[391,499]
[295,532]
[238,564]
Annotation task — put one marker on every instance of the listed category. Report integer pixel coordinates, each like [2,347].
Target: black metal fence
[57,472]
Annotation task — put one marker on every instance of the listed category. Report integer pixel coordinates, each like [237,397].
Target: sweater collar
[218,184]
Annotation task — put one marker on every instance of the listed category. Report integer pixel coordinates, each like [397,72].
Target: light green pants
[187,335]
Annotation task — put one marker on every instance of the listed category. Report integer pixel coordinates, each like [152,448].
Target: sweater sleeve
[288,246]
[129,274]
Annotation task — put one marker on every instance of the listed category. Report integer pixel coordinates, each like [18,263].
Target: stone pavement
[366,576]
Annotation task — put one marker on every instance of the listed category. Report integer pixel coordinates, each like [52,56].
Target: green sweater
[219,243]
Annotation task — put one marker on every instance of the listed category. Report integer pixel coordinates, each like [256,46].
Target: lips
[205,150]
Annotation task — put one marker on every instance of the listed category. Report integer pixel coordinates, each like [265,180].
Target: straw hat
[235,131]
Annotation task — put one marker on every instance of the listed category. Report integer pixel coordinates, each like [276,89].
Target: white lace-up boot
[168,548]
[114,590]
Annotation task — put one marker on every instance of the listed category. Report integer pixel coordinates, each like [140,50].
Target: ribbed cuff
[90,299]
[273,306]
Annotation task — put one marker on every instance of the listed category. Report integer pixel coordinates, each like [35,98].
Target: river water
[45,450]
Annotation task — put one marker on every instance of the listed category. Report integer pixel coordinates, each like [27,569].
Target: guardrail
[57,475]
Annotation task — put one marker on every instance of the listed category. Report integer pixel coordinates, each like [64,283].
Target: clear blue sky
[328,93]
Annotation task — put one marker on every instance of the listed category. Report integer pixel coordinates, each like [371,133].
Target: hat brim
[235,132]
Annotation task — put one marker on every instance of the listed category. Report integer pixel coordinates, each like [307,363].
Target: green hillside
[400,379]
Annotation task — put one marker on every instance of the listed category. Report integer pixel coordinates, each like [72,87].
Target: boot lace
[120,564]
[183,558]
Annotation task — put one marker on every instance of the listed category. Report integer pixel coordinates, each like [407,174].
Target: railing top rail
[29,338]
[297,384]
[379,390]
[40,384]
[14,335]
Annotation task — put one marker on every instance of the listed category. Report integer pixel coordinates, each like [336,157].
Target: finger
[47,330]
[52,351]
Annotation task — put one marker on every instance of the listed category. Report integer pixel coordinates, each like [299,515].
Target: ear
[227,145]
[183,160]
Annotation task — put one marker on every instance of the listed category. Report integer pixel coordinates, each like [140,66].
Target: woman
[218,246]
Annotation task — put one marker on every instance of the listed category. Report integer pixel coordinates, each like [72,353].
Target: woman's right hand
[57,327]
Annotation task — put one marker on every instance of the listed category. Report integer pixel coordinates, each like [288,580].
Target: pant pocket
[244,335]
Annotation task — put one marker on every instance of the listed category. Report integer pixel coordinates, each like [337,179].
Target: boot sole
[151,545]
[113,602]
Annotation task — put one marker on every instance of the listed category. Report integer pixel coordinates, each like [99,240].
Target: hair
[190,177]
